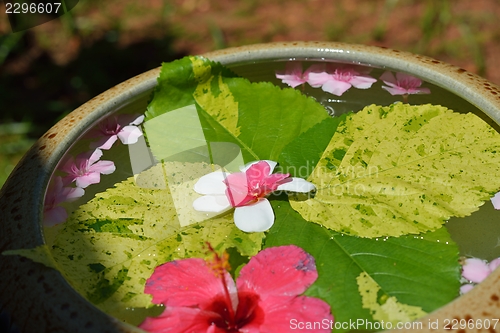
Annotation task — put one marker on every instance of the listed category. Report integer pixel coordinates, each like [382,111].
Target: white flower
[246,191]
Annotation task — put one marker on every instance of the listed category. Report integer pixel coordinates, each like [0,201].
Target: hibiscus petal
[271,182]
[237,189]
[298,185]
[212,204]
[336,87]
[180,319]
[212,183]
[254,218]
[187,282]
[475,270]
[282,312]
[258,171]
[278,271]
[129,135]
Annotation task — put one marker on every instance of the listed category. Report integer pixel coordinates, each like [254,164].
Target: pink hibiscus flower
[199,297]
[403,84]
[123,127]
[57,193]
[246,191]
[337,80]
[293,75]
[86,169]
[475,271]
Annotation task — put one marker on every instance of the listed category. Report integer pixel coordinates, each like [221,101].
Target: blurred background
[49,70]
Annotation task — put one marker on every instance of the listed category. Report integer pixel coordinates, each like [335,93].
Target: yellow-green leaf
[402,169]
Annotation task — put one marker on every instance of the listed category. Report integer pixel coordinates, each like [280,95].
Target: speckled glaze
[38,299]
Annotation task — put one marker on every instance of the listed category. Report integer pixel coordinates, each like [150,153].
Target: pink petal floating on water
[86,168]
[292,75]
[123,127]
[475,270]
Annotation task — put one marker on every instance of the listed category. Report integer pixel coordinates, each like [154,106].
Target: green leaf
[416,271]
[384,308]
[110,246]
[260,118]
[300,156]
[402,169]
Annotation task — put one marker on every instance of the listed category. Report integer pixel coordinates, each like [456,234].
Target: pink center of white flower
[245,188]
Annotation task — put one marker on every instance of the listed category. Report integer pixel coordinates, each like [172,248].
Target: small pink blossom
[403,84]
[264,298]
[246,191]
[332,79]
[86,169]
[293,75]
[57,193]
[123,127]
[475,270]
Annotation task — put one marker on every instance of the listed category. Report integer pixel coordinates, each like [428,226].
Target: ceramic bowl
[38,299]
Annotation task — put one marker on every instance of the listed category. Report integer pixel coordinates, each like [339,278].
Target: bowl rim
[47,298]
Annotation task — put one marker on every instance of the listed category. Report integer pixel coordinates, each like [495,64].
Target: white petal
[213,183]
[496,200]
[272,164]
[254,218]
[297,185]
[212,204]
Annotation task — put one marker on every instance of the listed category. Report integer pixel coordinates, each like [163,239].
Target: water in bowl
[476,235]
